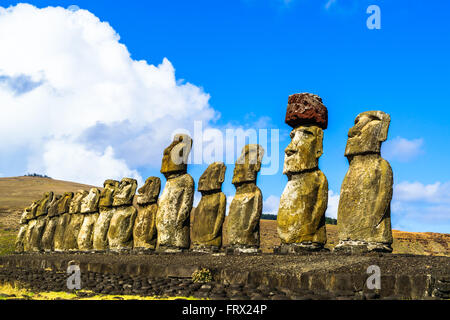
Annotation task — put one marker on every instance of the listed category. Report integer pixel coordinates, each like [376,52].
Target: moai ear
[223,169]
[319,143]
[385,122]
[260,157]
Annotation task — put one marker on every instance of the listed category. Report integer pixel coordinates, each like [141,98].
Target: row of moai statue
[110,219]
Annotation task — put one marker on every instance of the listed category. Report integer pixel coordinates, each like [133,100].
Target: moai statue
[41,219]
[106,212]
[20,240]
[30,226]
[120,233]
[301,214]
[246,207]
[175,203]
[76,220]
[89,208]
[63,218]
[208,216]
[144,232]
[50,226]
[364,212]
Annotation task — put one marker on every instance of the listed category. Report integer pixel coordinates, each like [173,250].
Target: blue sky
[249,56]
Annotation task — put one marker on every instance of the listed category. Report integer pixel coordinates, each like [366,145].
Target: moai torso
[144,231]
[41,219]
[106,212]
[364,206]
[50,227]
[20,240]
[62,220]
[246,207]
[120,232]
[30,226]
[209,215]
[301,214]
[89,209]
[75,222]
[175,203]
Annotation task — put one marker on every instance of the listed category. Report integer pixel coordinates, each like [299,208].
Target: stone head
[64,202]
[42,209]
[248,164]
[75,204]
[149,192]
[176,155]
[370,130]
[305,149]
[90,202]
[107,195]
[125,193]
[213,177]
[26,215]
[33,209]
[53,206]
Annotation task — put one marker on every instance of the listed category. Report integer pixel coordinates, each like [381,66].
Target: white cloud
[415,191]
[271,204]
[69,87]
[333,203]
[402,149]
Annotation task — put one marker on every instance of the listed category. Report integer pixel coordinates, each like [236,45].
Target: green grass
[7,240]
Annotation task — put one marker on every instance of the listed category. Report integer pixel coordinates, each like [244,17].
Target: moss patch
[7,240]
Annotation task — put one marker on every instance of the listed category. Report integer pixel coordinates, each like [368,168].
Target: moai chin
[301,214]
[209,215]
[41,220]
[144,231]
[75,221]
[89,209]
[120,232]
[364,214]
[106,212]
[246,207]
[50,226]
[63,218]
[175,203]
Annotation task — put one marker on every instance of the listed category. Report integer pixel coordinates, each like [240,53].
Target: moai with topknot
[101,227]
[63,218]
[246,207]
[76,220]
[209,215]
[41,219]
[364,212]
[89,209]
[144,231]
[120,232]
[175,203]
[50,226]
[301,213]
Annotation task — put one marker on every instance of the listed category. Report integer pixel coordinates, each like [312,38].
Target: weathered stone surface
[301,214]
[42,209]
[107,194]
[176,155]
[209,215]
[120,232]
[89,203]
[144,231]
[366,192]
[50,227]
[19,244]
[64,203]
[246,207]
[173,215]
[75,221]
[86,235]
[28,234]
[306,109]
[36,235]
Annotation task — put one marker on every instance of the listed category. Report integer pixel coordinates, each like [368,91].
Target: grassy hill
[18,192]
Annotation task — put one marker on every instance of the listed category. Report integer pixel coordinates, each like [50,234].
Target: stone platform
[324,274]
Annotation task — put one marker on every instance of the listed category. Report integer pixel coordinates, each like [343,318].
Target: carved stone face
[26,215]
[75,204]
[42,209]
[213,177]
[107,194]
[370,130]
[125,193]
[53,206]
[248,164]
[33,208]
[176,155]
[305,149]
[149,192]
[64,202]
[90,202]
